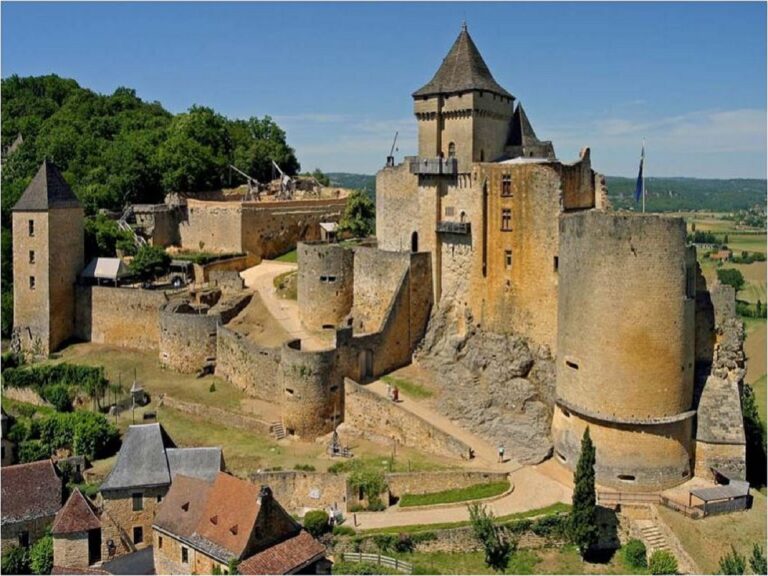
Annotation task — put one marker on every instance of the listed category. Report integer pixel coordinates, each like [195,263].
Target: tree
[583,518]
[731,277]
[320,176]
[41,555]
[16,561]
[635,553]
[316,522]
[497,547]
[732,562]
[662,562]
[150,262]
[359,215]
[232,566]
[103,236]
[757,562]
[754,431]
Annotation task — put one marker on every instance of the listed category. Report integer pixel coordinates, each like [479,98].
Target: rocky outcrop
[501,387]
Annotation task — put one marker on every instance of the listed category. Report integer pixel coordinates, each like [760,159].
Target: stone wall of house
[298,491]
[250,367]
[36,529]
[118,519]
[125,317]
[382,420]
[187,337]
[167,557]
[71,550]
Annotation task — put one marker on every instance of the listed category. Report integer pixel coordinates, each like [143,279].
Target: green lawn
[291,256]
[759,387]
[412,389]
[286,285]
[474,492]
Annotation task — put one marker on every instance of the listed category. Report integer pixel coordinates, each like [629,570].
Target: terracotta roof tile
[77,515]
[29,491]
[286,557]
[181,508]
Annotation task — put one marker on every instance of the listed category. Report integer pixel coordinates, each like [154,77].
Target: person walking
[501,453]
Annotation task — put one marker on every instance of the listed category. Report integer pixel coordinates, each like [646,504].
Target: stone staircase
[278,430]
[652,537]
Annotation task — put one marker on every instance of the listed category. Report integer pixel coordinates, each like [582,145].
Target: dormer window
[234,529]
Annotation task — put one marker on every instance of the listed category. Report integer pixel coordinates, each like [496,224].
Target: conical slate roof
[521,131]
[47,190]
[462,70]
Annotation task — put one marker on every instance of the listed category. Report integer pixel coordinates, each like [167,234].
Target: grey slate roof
[48,189]
[462,70]
[736,489]
[201,463]
[148,457]
[521,132]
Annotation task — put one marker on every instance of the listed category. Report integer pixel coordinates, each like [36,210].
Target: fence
[609,498]
[378,559]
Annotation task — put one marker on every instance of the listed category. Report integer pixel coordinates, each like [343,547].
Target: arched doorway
[415,242]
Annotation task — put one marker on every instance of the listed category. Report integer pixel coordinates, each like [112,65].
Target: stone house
[76,534]
[31,496]
[130,496]
[204,526]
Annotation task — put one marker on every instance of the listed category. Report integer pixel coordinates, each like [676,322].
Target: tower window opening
[572,364]
[508,259]
[31,282]
[482,154]
[556,263]
[452,150]
[31,256]
[506,185]
[31,227]
[626,477]
[450,210]
[506,219]
[560,456]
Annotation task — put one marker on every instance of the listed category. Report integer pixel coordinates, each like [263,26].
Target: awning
[329,226]
[106,269]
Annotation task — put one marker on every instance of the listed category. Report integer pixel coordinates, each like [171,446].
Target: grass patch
[286,285]
[408,388]
[555,508]
[759,386]
[291,256]
[474,492]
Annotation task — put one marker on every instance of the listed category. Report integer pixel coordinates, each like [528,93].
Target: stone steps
[653,538]
[278,430]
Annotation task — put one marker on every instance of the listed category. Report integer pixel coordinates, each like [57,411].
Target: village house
[31,496]
[146,465]
[76,535]
[202,527]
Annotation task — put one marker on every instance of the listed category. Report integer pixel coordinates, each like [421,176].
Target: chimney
[265,495]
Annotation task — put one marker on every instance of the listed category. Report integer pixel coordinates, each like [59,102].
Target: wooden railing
[649,498]
[379,560]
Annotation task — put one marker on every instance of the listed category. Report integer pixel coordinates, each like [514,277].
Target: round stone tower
[325,284]
[626,347]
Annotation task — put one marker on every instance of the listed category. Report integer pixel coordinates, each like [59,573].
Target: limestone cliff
[499,386]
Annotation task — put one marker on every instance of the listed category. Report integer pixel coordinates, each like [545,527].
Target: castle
[484,228]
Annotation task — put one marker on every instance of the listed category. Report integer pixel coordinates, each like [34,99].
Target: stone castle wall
[187,337]
[398,208]
[252,368]
[377,278]
[211,226]
[325,284]
[298,491]
[206,272]
[429,482]
[125,317]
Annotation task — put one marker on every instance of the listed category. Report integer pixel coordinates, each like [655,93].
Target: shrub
[150,262]
[757,562]
[41,556]
[343,531]
[212,387]
[316,522]
[385,542]
[733,563]
[58,396]
[554,526]
[304,467]
[404,544]
[635,554]
[33,450]
[662,562]
[497,548]
[731,277]
[15,561]
[360,568]
[10,360]
[86,433]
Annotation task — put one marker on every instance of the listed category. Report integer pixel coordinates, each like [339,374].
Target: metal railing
[379,560]
[453,227]
[434,166]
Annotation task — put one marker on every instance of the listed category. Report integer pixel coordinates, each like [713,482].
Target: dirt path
[286,312]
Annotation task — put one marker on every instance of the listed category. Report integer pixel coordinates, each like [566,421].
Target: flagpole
[643,160]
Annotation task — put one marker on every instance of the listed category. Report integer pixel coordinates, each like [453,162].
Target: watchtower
[47,257]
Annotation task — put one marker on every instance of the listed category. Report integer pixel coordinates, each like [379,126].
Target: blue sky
[689,77]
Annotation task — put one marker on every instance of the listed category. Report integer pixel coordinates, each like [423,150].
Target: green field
[291,256]
[475,492]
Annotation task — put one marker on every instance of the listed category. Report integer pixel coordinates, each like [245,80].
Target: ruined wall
[203,272]
[270,229]
[325,284]
[723,301]
[382,420]
[37,528]
[226,279]
[187,337]
[211,226]
[126,317]
[398,207]
[628,457]
[312,390]
[159,222]
[298,491]
[252,368]
[429,482]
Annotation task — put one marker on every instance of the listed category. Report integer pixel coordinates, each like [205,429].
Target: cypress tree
[583,518]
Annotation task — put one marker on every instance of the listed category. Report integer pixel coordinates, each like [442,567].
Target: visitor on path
[389,391]
[395,394]
[501,453]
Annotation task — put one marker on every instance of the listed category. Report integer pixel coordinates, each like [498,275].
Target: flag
[640,187]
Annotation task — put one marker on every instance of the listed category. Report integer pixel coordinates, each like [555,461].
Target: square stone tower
[48,253]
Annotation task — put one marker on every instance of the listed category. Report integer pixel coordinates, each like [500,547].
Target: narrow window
[506,185]
[138,534]
[31,282]
[331,278]
[449,210]
[626,478]
[184,555]
[572,364]
[31,256]
[159,498]
[482,154]
[560,456]
[289,392]
[508,259]
[31,227]
[506,219]
[556,263]
[138,501]
[159,541]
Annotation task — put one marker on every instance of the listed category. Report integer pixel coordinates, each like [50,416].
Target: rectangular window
[31,227]
[138,501]
[450,210]
[506,185]
[31,256]
[184,555]
[556,263]
[159,497]
[571,364]
[138,534]
[508,259]
[159,541]
[506,219]
[31,282]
